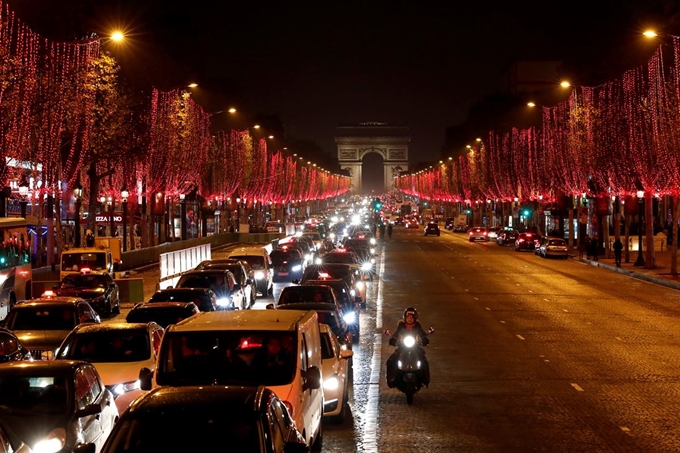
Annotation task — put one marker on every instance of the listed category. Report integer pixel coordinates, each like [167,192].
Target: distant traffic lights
[526,212]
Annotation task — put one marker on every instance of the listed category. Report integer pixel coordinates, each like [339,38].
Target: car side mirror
[312,377]
[346,353]
[145,378]
[90,409]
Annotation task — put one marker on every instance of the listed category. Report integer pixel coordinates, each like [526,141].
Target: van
[259,260]
[228,347]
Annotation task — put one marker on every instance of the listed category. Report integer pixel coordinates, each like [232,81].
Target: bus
[15,263]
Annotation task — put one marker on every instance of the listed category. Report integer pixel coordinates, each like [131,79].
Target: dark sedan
[507,237]
[240,274]
[288,263]
[431,228]
[42,324]
[527,242]
[204,298]
[52,406]
[98,289]
[242,419]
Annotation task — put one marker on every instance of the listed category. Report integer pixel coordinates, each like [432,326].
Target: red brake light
[323,275]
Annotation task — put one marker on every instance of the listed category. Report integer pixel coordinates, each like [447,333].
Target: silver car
[478,234]
[556,247]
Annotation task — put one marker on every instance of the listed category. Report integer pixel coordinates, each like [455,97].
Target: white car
[337,374]
[118,351]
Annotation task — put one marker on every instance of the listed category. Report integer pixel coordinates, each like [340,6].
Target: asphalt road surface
[528,354]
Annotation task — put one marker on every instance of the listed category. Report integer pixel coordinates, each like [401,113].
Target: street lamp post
[183,216]
[124,195]
[78,194]
[640,259]
[23,192]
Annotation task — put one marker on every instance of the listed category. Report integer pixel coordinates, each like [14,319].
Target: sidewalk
[660,275]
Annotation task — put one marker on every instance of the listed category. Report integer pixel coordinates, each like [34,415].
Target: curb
[644,277]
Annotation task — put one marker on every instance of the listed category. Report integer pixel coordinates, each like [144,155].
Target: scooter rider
[408,326]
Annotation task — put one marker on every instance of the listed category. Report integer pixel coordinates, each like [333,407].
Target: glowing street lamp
[183,214]
[78,195]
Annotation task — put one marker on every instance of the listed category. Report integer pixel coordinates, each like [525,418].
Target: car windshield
[203,280]
[163,316]
[35,394]
[326,346]
[227,357]
[42,318]
[112,345]
[211,424]
[89,281]
[557,242]
[77,261]
[255,261]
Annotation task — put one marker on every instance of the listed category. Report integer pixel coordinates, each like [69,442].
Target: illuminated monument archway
[356,140]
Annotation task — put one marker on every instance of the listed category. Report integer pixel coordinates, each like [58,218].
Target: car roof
[108,326]
[55,300]
[241,320]
[30,368]
[162,305]
[316,306]
[248,398]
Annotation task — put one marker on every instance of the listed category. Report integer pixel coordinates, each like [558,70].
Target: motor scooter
[409,372]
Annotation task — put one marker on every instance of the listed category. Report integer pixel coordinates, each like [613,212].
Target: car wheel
[116,309]
[437,234]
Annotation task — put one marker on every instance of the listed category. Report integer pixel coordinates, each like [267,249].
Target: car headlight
[409,341]
[360,285]
[372,241]
[350,317]
[223,302]
[331,383]
[259,275]
[53,442]
[332,235]
[318,261]
[120,389]
[297,268]
[372,260]
[372,251]
[366,267]
[352,293]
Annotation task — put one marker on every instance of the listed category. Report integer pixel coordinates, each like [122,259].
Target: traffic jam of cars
[77,374]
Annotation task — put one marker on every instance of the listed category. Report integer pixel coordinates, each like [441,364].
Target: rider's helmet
[410,316]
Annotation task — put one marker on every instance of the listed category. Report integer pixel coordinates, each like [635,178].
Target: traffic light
[377,205]
[526,212]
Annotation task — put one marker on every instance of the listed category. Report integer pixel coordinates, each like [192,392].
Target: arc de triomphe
[356,140]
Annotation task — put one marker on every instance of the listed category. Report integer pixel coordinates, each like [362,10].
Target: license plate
[283,273]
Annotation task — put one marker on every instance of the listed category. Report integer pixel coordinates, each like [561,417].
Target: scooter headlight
[360,285]
[352,293]
[259,275]
[223,302]
[318,261]
[297,268]
[372,241]
[366,266]
[53,442]
[372,251]
[350,317]
[409,341]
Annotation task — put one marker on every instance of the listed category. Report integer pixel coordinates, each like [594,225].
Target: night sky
[317,64]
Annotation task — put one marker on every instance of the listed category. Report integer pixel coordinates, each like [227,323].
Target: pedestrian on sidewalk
[618,248]
[389,231]
[596,245]
[582,246]
[588,245]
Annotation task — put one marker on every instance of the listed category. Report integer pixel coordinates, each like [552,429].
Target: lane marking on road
[565,310]
[619,338]
[517,284]
[476,298]
[487,308]
[369,433]
[577,387]
[625,430]
[467,290]
[530,291]
[520,337]
[546,300]
[502,322]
